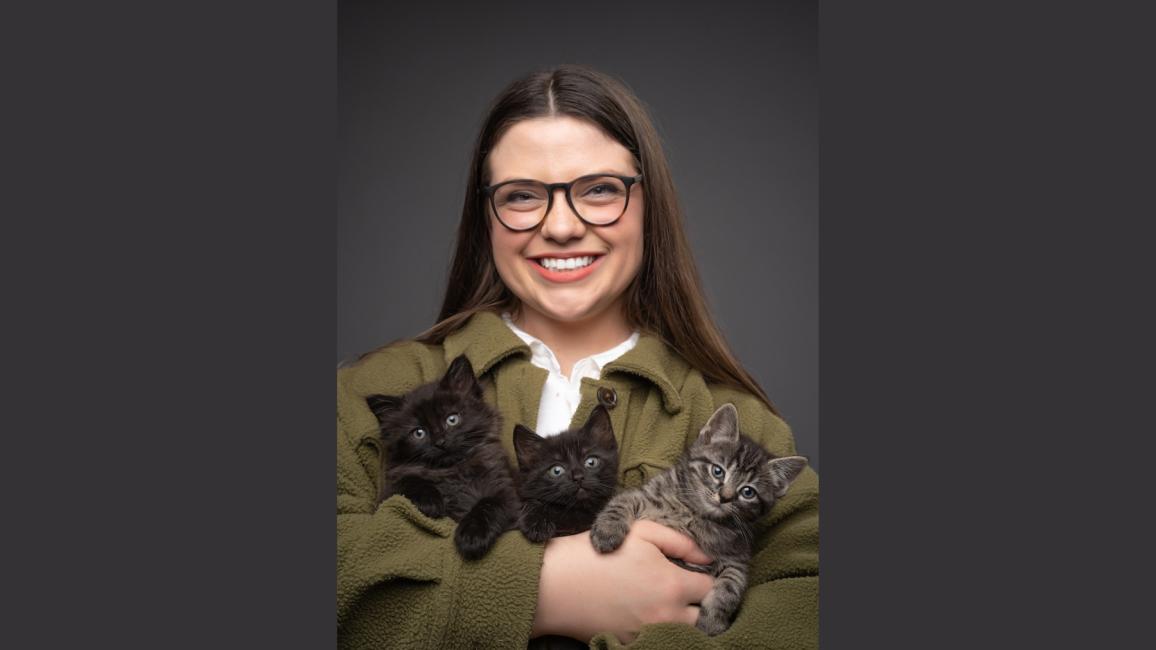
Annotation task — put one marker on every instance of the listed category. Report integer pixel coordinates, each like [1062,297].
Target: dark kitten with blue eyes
[565,479]
[443,452]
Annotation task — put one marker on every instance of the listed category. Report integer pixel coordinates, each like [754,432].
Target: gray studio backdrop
[731,86]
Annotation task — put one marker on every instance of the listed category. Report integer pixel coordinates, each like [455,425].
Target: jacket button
[607,397]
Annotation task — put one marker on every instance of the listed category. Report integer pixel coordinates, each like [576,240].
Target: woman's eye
[592,462]
[419,433]
[602,190]
[747,492]
[521,197]
[717,471]
[556,470]
[453,420]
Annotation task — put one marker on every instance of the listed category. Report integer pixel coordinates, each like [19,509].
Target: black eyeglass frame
[629,181]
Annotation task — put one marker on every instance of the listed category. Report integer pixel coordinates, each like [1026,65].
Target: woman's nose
[561,224]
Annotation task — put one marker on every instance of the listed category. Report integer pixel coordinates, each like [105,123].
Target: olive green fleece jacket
[401,583]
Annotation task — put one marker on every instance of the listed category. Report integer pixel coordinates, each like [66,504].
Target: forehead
[568,443]
[746,456]
[556,149]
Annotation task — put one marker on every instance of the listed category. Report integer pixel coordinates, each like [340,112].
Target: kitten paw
[424,496]
[474,538]
[432,506]
[538,531]
[606,537]
[712,622]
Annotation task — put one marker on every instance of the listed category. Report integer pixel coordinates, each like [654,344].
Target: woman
[572,285]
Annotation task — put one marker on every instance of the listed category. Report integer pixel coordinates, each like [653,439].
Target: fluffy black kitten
[564,480]
[444,455]
[714,493]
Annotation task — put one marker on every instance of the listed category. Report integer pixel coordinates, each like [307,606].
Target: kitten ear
[599,428]
[784,471]
[526,444]
[723,425]
[382,404]
[460,378]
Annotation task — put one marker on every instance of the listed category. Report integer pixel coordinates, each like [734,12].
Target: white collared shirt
[561,394]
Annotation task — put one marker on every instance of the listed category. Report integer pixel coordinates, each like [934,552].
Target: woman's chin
[569,311]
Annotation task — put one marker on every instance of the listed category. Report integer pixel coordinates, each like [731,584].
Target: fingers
[695,585]
[690,615]
[671,542]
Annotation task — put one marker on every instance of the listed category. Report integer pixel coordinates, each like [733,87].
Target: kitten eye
[717,471]
[419,433]
[453,420]
[592,462]
[556,470]
[747,492]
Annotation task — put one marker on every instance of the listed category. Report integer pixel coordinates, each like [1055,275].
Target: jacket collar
[655,362]
[487,341]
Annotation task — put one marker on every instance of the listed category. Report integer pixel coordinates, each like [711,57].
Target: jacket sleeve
[781,606]
[400,580]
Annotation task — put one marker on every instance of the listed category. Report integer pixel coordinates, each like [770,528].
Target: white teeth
[568,264]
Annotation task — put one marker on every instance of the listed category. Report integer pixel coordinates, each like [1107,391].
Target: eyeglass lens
[598,200]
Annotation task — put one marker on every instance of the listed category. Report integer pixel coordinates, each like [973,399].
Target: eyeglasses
[597,199]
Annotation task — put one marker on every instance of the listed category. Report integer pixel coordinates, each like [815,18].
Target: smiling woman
[572,288]
[568,122]
[566,272]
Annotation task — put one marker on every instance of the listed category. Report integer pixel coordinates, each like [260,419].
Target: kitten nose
[577,476]
[440,444]
[727,494]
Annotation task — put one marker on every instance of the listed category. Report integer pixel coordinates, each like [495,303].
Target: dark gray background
[1037,366]
[732,88]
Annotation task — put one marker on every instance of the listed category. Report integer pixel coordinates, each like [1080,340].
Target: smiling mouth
[563,264]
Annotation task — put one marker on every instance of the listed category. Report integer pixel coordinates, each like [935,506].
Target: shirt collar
[487,341]
[543,356]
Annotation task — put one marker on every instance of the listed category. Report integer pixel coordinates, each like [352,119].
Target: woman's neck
[571,341]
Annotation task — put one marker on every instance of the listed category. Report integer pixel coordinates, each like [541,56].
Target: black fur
[456,467]
[564,504]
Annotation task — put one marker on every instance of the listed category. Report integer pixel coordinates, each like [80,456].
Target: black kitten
[564,480]
[441,441]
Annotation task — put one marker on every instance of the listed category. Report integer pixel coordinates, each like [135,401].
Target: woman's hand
[582,593]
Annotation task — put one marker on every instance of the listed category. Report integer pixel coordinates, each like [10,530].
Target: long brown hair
[666,298]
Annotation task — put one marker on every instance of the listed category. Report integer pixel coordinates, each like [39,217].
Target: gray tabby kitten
[714,493]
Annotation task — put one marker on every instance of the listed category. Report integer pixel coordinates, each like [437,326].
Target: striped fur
[714,493]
